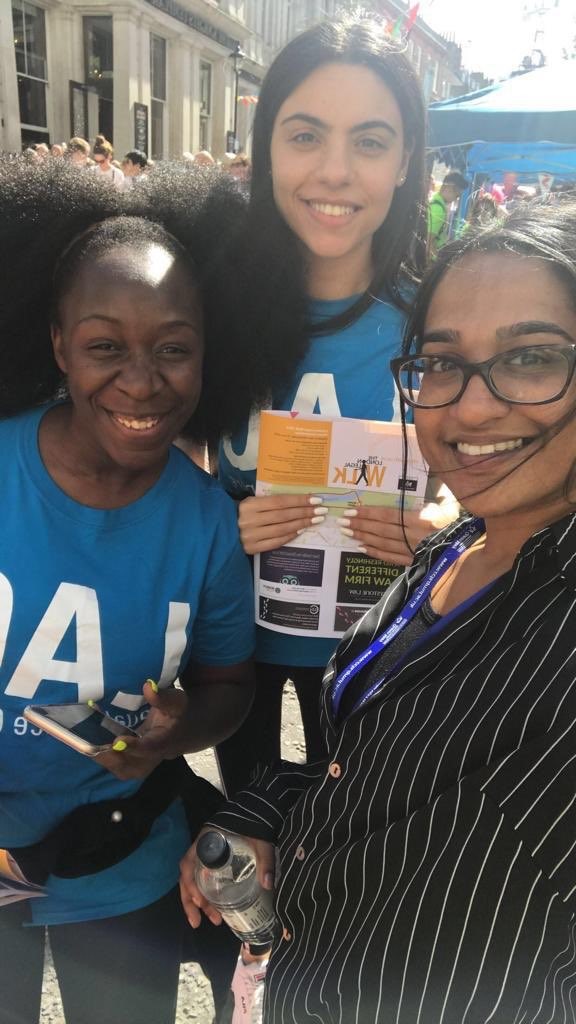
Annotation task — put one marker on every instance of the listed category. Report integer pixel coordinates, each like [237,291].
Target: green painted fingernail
[153,685]
[119,746]
[91,703]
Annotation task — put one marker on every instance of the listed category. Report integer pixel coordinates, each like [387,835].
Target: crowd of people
[99,159]
[423,858]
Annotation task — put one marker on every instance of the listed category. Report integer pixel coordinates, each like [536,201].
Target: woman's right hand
[192,899]
[268,523]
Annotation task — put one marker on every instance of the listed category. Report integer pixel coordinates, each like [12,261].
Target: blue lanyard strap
[410,609]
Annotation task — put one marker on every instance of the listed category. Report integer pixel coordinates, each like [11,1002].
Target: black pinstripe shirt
[429,868]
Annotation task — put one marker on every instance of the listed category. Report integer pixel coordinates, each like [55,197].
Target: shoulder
[384,311]
[437,201]
[382,320]
[436,209]
[193,480]
[13,426]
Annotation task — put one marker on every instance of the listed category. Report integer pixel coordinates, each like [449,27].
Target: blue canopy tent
[526,160]
[539,106]
[526,124]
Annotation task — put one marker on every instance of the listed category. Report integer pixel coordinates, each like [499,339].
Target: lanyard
[410,609]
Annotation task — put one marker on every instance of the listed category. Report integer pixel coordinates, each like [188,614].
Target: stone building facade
[165,76]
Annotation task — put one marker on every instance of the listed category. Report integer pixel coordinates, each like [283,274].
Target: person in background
[483,210]
[134,165]
[58,150]
[452,187]
[120,570]
[78,151]
[337,231]
[104,170]
[42,150]
[240,167]
[204,159]
[427,867]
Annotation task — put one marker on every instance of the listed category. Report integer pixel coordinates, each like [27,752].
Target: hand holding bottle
[195,902]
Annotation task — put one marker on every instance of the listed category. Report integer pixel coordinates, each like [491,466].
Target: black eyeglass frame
[482,370]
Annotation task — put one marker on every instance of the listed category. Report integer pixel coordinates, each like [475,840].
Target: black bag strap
[96,836]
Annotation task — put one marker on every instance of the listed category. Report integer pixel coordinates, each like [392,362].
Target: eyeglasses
[531,375]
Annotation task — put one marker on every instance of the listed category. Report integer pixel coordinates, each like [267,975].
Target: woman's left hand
[379,530]
[163,734]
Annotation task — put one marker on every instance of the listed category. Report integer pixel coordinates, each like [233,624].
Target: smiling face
[499,459]
[338,154]
[130,341]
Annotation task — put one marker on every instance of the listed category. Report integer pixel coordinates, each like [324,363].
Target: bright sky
[489,31]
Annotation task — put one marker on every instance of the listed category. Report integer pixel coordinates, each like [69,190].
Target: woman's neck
[490,556]
[506,535]
[85,473]
[331,278]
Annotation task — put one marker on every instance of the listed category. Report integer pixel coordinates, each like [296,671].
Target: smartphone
[82,726]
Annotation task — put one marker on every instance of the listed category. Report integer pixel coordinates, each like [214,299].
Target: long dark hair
[399,243]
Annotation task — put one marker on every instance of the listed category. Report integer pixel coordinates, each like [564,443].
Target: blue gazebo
[536,107]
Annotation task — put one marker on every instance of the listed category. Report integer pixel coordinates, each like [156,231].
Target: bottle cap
[213,849]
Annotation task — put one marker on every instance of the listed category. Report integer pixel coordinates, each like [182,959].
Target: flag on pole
[411,18]
[396,30]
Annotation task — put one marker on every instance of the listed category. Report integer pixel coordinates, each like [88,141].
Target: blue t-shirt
[92,603]
[342,374]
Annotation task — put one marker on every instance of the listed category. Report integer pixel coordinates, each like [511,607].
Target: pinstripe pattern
[433,881]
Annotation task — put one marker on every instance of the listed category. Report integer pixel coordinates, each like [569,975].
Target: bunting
[397,28]
[404,24]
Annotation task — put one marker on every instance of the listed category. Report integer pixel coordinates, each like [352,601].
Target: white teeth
[142,424]
[488,449]
[332,210]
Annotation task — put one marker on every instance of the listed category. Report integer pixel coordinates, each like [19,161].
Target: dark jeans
[121,970]
[257,741]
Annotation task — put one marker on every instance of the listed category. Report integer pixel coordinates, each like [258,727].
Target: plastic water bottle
[226,876]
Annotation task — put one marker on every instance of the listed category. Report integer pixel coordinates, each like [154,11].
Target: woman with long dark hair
[334,246]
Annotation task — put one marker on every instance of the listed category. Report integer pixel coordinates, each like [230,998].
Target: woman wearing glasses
[428,869]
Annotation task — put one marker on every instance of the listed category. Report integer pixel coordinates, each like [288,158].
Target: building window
[158,94]
[99,68]
[205,104]
[417,57]
[30,46]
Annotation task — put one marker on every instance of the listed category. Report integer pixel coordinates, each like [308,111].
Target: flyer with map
[320,583]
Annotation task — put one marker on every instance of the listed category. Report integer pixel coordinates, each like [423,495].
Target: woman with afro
[120,571]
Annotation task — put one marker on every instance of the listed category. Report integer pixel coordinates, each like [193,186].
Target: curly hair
[46,213]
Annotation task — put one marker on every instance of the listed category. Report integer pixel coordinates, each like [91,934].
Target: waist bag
[96,836]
